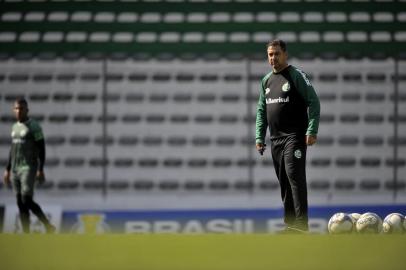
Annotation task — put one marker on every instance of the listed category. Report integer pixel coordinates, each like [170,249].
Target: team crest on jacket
[286,87]
[298,153]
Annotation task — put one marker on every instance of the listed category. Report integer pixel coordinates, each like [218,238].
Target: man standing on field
[26,165]
[289,106]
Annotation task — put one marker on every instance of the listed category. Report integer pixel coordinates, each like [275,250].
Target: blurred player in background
[289,106]
[26,165]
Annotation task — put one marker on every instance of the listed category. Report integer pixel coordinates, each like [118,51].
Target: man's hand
[6,178]
[40,177]
[261,148]
[311,139]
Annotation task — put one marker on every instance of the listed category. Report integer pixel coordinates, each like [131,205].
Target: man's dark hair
[277,42]
[21,101]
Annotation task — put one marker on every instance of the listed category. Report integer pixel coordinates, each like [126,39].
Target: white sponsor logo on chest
[267,91]
[277,100]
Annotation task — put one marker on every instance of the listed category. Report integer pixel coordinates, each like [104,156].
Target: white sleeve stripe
[304,77]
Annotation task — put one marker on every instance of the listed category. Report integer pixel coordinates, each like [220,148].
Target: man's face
[20,111]
[277,58]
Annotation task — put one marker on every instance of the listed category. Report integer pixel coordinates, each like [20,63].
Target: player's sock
[24,214]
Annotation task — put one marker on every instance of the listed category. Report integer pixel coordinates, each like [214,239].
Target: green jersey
[24,150]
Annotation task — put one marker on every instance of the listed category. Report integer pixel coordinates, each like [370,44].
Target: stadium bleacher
[122,28]
[196,129]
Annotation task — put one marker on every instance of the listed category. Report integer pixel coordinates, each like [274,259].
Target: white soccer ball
[354,217]
[394,223]
[340,223]
[369,223]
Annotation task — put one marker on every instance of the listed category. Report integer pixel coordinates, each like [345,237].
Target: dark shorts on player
[23,181]
[289,158]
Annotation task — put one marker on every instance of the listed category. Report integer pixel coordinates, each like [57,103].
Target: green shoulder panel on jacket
[36,130]
[261,123]
[307,91]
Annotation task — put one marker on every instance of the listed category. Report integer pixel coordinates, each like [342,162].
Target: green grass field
[198,252]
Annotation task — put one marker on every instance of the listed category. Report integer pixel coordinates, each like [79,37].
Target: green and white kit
[24,155]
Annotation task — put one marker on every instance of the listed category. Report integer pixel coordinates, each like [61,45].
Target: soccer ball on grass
[354,217]
[340,223]
[394,223]
[369,223]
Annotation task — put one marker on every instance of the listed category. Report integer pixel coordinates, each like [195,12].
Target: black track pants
[289,158]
